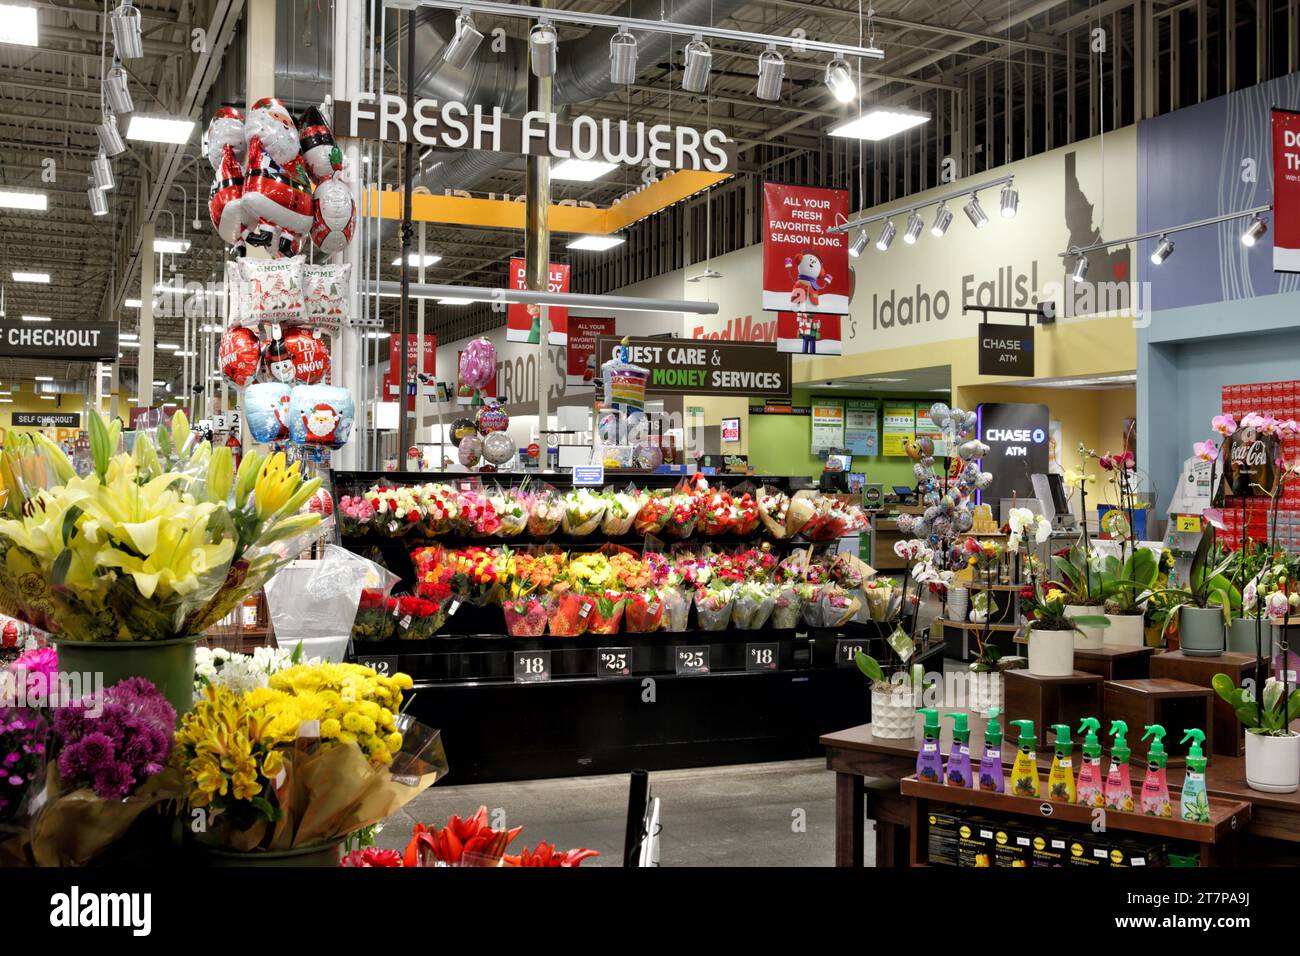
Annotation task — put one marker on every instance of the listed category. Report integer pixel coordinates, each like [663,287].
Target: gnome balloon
[333,215]
[239,356]
[266,407]
[226,128]
[226,198]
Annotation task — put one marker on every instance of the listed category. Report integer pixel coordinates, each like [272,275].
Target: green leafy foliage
[1271,716]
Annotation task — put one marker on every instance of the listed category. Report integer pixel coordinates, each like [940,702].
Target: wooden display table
[1173,704]
[1049,700]
[1226,732]
[887,535]
[1115,663]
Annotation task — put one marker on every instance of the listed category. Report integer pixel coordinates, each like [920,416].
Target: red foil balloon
[226,198]
[279,194]
[298,358]
[240,355]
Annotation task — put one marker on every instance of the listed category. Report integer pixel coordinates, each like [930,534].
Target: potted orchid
[894,694]
[1204,607]
[1079,574]
[1052,630]
[1272,748]
[1125,590]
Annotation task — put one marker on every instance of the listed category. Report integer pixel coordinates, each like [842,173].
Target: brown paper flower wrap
[803,506]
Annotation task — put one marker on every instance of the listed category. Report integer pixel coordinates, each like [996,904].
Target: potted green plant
[1125,588]
[1204,607]
[894,693]
[1079,572]
[1052,630]
[1272,748]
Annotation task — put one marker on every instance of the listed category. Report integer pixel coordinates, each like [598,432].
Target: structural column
[348,353]
[144,367]
[537,244]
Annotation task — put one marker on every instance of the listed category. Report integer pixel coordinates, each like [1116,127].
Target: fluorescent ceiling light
[6,401]
[186,354]
[879,122]
[882,379]
[132,303]
[36,202]
[43,378]
[167,346]
[18,25]
[210,328]
[596,243]
[159,129]
[36,318]
[129,344]
[455,301]
[582,170]
[130,337]
[377,335]
[47,398]
[414,259]
[41,277]
[175,246]
[158,384]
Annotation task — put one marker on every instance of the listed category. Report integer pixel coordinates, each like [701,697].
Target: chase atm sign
[1018,449]
[1006,349]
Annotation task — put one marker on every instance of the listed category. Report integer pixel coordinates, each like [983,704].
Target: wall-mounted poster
[898,428]
[827,425]
[862,426]
[925,428]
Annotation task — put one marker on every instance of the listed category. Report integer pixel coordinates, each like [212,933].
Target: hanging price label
[532,667]
[1190,523]
[383,666]
[846,651]
[693,660]
[762,657]
[613,661]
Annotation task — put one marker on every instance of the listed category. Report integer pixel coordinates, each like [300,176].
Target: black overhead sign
[78,341]
[1006,349]
[46,419]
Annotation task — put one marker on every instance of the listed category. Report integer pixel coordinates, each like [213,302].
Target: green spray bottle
[1091,781]
[1060,779]
[1194,802]
[929,761]
[1119,782]
[1155,788]
[1024,772]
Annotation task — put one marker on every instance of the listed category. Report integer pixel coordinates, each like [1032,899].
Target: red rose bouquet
[717,512]
[418,619]
[374,620]
[683,512]
[652,510]
[643,611]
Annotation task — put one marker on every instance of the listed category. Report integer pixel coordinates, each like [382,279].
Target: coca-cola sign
[1247,463]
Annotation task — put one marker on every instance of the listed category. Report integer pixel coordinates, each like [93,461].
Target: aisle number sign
[827,425]
[899,428]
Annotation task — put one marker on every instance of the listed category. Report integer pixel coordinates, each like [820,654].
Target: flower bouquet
[36,672]
[753,605]
[397,510]
[375,619]
[23,731]
[620,511]
[418,619]
[670,591]
[545,511]
[801,509]
[545,855]
[526,614]
[773,507]
[511,507]
[652,510]
[787,606]
[713,606]
[568,613]
[606,611]
[477,517]
[631,572]
[433,582]
[643,611]
[355,515]
[882,600]
[438,500]
[758,562]
[242,672]
[527,603]
[717,512]
[831,519]
[838,606]
[683,511]
[468,842]
[583,511]
[745,505]
[476,574]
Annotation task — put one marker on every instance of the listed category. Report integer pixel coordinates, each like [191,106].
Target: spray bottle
[929,762]
[1091,781]
[1060,779]
[1024,772]
[1195,804]
[991,776]
[959,774]
[1155,789]
[1119,785]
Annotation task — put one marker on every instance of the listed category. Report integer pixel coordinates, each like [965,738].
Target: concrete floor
[770,814]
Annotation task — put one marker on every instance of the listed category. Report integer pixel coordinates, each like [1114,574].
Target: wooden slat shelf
[978,586]
[1227,817]
[970,626]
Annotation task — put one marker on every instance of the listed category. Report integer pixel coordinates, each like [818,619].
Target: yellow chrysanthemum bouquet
[148,546]
[320,753]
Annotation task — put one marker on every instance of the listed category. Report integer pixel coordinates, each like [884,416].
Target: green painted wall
[779,444]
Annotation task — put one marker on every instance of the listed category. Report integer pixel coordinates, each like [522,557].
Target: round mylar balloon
[470,450]
[266,407]
[478,363]
[462,428]
[239,356]
[321,415]
[492,418]
[939,414]
[297,358]
[498,448]
[926,444]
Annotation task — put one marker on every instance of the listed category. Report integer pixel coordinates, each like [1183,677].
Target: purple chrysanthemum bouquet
[22,756]
[114,743]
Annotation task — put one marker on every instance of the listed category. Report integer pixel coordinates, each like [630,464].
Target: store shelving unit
[765,694]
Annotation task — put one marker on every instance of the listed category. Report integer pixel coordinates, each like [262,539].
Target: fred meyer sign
[699,367]
[87,341]
[458,126]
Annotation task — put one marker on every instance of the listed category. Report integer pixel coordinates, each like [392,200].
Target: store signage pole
[348,37]
[420,404]
[537,239]
[402,373]
[144,366]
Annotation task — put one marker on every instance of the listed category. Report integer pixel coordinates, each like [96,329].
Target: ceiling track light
[839,80]
[859,243]
[975,213]
[697,62]
[1010,202]
[117,91]
[127,37]
[914,227]
[886,236]
[1255,231]
[98,204]
[771,71]
[1164,249]
[622,58]
[101,172]
[543,42]
[942,220]
[1080,267]
[110,140]
[464,42]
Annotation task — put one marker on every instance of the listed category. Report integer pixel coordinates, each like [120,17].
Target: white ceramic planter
[1273,763]
[1126,630]
[984,689]
[1087,638]
[1051,653]
[893,713]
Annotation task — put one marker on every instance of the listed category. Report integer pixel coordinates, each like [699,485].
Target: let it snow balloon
[239,356]
[266,409]
[321,415]
[297,358]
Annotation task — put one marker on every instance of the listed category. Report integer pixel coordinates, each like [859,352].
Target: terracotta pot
[1087,638]
[1051,653]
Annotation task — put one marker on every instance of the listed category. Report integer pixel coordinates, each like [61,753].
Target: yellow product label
[1116,857]
[933,820]
[1189,523]
[965,832]
[1039,843]
[1076,849]
[1002,838]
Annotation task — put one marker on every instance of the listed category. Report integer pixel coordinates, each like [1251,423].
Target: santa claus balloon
[226,128]
[226,198]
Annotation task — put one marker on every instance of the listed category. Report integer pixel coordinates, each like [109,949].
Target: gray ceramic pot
[1241,637]
[1200,631]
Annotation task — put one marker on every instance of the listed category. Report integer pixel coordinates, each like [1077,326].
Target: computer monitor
[845,461]
[857,481]
[904,490]
[1060,501]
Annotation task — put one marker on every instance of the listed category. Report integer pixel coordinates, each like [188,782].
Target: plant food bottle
[991,776]
[929,761]
[1119,785]
[1060,779]
[959,774]
[1155,789]
[1194,803]
[1091,782]
[1024,772]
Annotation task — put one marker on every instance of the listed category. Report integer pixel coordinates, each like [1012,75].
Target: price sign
[532,667]
[1190,523]
[613,661]
[693,659]
[846,651]
[592,475]
[383,666]
[762,657]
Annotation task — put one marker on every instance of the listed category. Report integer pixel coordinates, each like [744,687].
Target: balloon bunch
[484,436]
[277,181]
[622,419]
[948,496]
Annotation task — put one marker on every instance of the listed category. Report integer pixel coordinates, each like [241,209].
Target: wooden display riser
[1226,733]
[1050,700]
[1116,663]
[1173,704]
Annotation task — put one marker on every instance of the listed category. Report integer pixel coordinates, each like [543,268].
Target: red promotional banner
[1286,191]
[805,267]
[581,350]
[465,394]
[807,333]
[428,366]
[522,321]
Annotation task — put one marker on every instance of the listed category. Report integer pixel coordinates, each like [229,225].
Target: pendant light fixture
[771,71]
[98,204]
[698,61]
[116,91]
[464,42]
[110,140]
[914,227]
[622,58]
[127,37]
[975,213]
[101,172]
[543,42]
[839,80]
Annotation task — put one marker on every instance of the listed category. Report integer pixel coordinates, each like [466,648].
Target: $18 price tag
[532,667]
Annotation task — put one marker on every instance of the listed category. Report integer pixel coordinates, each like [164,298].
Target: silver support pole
[537,244]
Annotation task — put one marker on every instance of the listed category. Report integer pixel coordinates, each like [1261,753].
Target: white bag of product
[324,291]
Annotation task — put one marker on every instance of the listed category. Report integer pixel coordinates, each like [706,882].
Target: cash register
[1051,488]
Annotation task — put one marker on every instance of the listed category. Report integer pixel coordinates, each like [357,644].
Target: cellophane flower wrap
[773,506]
[375,618]
[418,619]
[475,515]
[620,511]
[320,753]
[583,511]
[511,507]
[527,601]
[799,510]
[23,732]
[652,510]
[713,606]
[838,606]
[787,606]
[717,511]
[752,605]
[397,510]
[683,511]
[643,611]
[744,501]
[757,562]
[438,502]
[606,611]
[545,511]
[155,545]
[568,613]
[670,590]
[355,515]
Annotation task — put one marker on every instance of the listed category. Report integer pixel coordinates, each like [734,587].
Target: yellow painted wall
[26,401]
